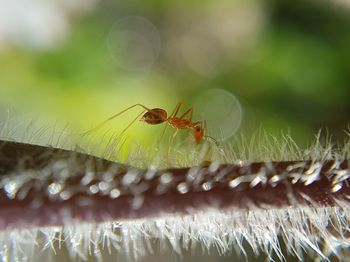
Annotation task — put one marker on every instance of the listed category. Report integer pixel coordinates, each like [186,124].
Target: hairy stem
[44,186]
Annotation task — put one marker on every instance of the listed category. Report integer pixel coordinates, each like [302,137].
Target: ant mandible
[157,116]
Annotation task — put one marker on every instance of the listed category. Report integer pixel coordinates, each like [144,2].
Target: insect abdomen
[155,116]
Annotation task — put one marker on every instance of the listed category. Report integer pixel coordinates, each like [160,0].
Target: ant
[157,116]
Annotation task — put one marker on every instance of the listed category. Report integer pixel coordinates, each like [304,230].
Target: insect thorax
[180,123]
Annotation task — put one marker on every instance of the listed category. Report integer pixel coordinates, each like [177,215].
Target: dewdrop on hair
[294,204]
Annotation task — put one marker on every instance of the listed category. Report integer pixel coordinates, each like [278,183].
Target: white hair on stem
[299,222]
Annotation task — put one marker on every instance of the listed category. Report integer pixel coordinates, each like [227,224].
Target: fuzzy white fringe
[319,233]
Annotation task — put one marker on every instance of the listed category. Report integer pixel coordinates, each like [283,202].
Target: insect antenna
[212,138]
[207,136]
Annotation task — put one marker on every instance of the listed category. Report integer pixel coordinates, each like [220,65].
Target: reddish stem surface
[38,208]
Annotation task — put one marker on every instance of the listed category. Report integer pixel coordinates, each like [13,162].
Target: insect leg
[206,133]
[189,111]
[176,110]
[123,111]
[173,136]
[173,114]
[161,137]
[132,122]
[114,116]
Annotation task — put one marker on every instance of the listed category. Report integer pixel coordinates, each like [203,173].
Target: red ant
[157,116]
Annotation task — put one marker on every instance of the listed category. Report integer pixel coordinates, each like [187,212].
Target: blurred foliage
[287,62]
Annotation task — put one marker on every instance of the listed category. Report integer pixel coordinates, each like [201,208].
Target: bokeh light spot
[134,43]
[221,110]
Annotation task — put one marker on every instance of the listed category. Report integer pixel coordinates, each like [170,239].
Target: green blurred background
[75,63]
[286,62]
